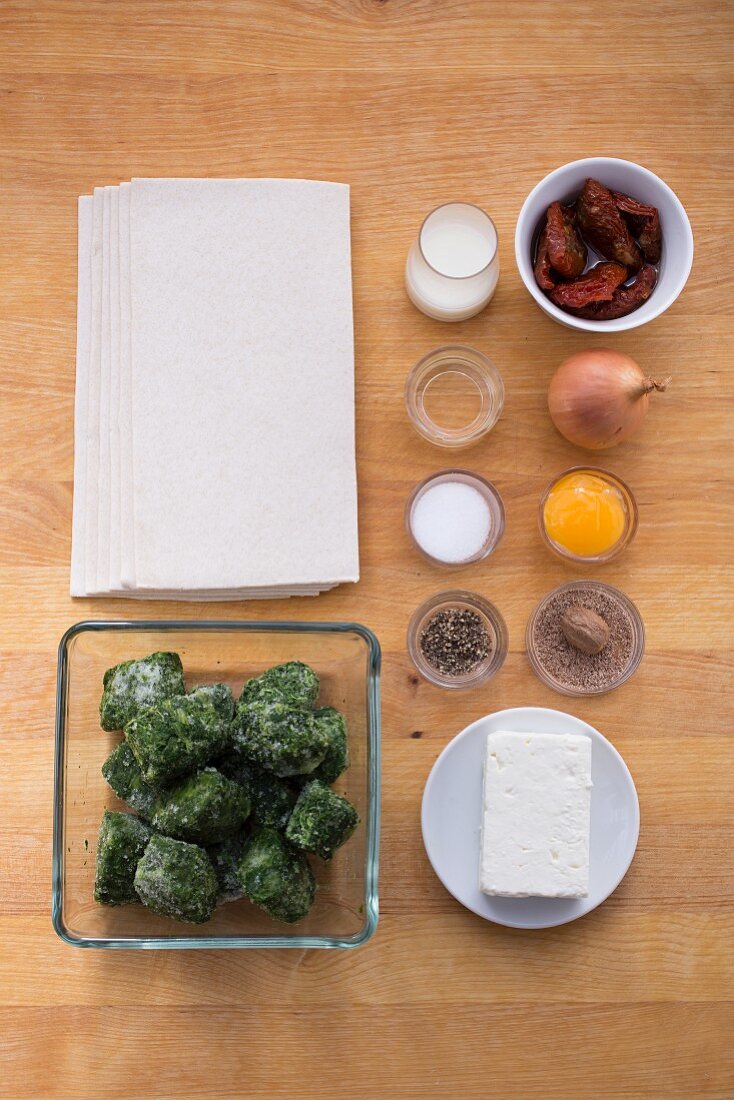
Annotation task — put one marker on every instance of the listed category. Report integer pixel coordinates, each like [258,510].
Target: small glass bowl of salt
[455,517]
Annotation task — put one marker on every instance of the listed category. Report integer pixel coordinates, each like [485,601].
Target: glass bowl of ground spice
[457,640]
[585,638]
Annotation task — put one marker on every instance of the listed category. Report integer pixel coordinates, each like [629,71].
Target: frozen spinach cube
[177,880]
[133,686]
[271,800]
[203,809]
[176,737]
[321,820]
[221,696]
[272,735]
[122,772]
[276,877]
[294,681]
[121,843]
[334,725]
[225,859]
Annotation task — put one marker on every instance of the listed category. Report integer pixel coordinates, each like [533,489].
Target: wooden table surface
[412,102]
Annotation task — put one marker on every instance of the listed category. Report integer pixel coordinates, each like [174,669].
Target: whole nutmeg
[584,629]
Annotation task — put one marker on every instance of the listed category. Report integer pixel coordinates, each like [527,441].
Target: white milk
[452,269]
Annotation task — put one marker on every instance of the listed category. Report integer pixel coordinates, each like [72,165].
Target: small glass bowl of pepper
[457,640]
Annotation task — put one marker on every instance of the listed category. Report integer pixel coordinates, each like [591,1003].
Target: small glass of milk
[453,266]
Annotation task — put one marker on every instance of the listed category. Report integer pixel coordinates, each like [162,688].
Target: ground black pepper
[568,665]
[455,641]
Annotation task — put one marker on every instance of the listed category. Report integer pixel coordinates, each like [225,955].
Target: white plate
[452,808]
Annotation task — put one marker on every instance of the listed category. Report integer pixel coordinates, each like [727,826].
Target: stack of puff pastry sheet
[214,422]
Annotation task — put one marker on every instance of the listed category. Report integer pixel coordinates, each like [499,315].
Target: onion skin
[600,398]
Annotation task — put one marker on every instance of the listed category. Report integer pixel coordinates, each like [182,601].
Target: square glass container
[346,657]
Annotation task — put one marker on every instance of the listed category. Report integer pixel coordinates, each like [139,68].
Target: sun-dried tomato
[644,221]
[566,250]
[651,239]
[597,285]
[636,209]
[624,299]
[543,274]
[604,227]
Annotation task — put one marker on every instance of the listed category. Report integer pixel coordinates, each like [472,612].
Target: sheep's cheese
[535,826]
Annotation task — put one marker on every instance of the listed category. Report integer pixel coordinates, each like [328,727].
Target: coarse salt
[451,521]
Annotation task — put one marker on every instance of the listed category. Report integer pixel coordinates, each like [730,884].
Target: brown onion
[600,398]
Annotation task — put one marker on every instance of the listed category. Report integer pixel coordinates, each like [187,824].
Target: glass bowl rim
[449,598]
[414,390]
[638,626]
[188,942]
[632,512]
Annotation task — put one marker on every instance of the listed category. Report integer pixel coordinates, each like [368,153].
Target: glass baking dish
[346,657]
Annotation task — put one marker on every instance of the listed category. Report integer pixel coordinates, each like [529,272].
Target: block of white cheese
[535,827]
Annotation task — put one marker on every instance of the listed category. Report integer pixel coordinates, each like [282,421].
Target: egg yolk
[584,514]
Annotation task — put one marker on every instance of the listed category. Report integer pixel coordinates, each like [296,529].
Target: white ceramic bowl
[452,810]
[621,175]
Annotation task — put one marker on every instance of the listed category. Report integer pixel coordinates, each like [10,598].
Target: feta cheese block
[535,818]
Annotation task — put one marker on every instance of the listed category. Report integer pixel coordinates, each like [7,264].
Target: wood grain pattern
[412,102]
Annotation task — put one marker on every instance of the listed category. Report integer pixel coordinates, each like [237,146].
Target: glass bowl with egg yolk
[587,515]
